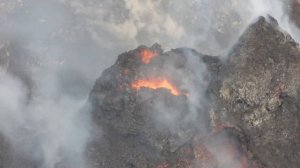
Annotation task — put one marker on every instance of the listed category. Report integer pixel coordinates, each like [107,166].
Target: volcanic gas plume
[228,99]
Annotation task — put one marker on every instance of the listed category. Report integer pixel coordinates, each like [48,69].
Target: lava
[147,56]
[156,84]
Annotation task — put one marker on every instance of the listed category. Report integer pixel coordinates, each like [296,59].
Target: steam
[51,128]
[280,11]
[68,43]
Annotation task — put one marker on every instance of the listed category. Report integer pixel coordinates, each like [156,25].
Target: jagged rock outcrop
[248,110]
[262,93]
[134,132]
[184,109]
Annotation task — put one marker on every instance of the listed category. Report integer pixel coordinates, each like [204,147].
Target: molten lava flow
[155,84]
[147,56]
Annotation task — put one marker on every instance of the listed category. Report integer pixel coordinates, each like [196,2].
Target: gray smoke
[68,43]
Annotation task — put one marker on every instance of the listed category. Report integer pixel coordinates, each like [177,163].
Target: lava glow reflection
[147,56]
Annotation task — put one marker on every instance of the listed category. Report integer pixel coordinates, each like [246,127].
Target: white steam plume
[74,40]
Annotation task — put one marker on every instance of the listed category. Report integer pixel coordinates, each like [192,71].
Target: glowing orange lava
[147,56]
[155,84]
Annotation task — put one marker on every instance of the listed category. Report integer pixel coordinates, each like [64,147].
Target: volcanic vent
[183,109]
[154,112]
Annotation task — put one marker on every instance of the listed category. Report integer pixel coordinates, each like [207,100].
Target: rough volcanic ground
[261,93]
[248,118]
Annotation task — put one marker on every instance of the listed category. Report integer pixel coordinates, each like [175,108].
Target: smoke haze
[56,49]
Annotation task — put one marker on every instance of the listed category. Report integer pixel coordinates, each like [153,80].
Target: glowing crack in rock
[156,84]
